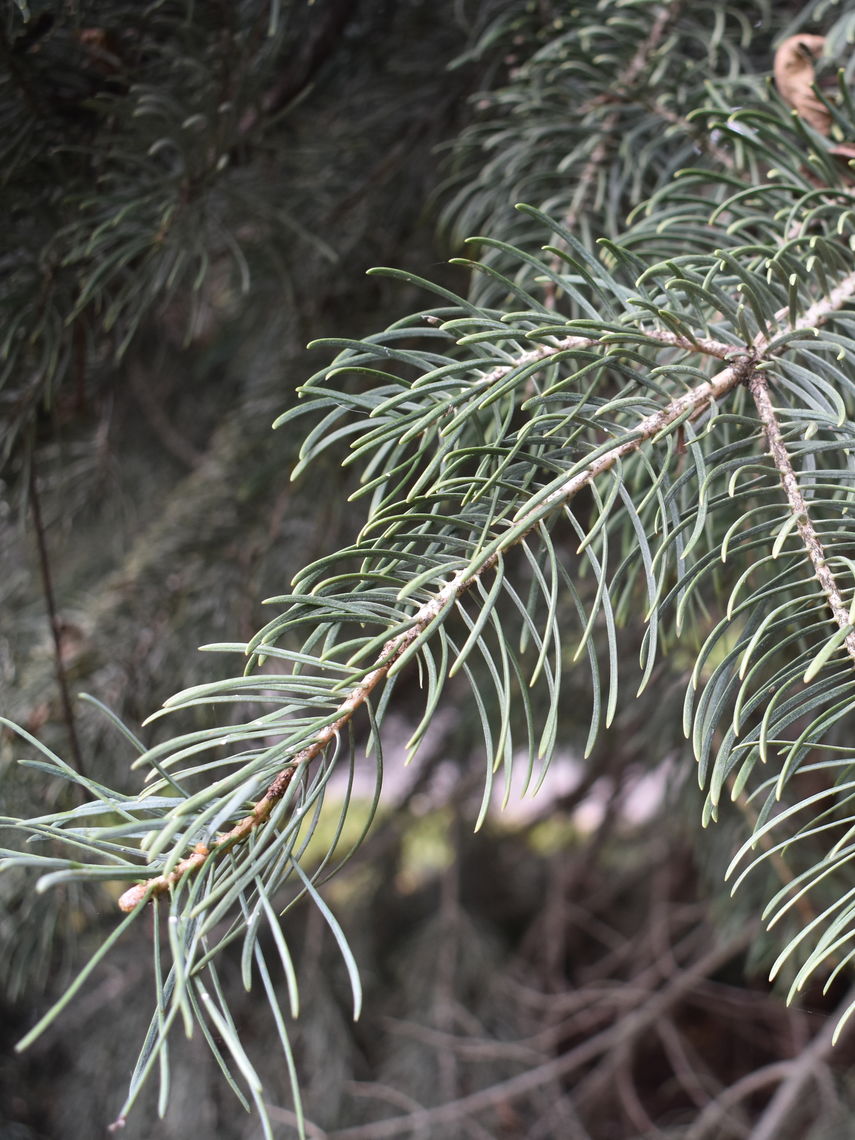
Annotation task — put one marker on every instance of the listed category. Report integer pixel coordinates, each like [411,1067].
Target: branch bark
[798,506]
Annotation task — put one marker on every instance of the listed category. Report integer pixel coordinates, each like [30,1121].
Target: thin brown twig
[153,408]
[624,1085]
[616,1067]
[471,1048]
[56,626]
[690,1069]
[790,1075]
[802,1069]
[716,1115]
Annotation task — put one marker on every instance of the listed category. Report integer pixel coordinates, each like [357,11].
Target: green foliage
[634,437]
[132,139]
[602,115]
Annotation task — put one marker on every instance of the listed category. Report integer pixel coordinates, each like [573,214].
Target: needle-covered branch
[690,404]
[565,495]
[798,505]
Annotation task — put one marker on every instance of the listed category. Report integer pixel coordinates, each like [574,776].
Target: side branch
[705,345]
[798,505]
[624,93]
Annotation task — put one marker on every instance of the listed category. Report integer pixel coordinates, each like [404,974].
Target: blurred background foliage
[191,193]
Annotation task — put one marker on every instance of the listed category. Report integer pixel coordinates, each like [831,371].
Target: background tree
[610,454]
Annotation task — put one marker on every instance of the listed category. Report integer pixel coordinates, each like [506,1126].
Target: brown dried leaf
[795,76]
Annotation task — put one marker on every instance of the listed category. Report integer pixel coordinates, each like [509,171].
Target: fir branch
[624,92]
[816,315]
[607,135]
[814,549]
[692,403]
[700,137]
[705,345]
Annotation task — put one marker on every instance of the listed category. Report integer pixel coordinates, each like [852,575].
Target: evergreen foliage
[618,466]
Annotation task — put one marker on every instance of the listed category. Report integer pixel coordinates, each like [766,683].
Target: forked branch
[692,403]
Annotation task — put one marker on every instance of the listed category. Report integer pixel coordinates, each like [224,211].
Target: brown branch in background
[645,49]
[594,1043]
[152,407]
[300,69]
[56,625]
[632,1026]
[11,52]
[606,130]
[802,1069]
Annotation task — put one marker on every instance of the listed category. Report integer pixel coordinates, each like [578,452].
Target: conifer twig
[624,92]
[798,505]
[695,400]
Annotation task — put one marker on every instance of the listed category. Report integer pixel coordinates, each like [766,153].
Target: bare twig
[802,1069]
[633,1024]
[624,1085]
[791,1076]
[689,1068]
[715,1117]
[56,626]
